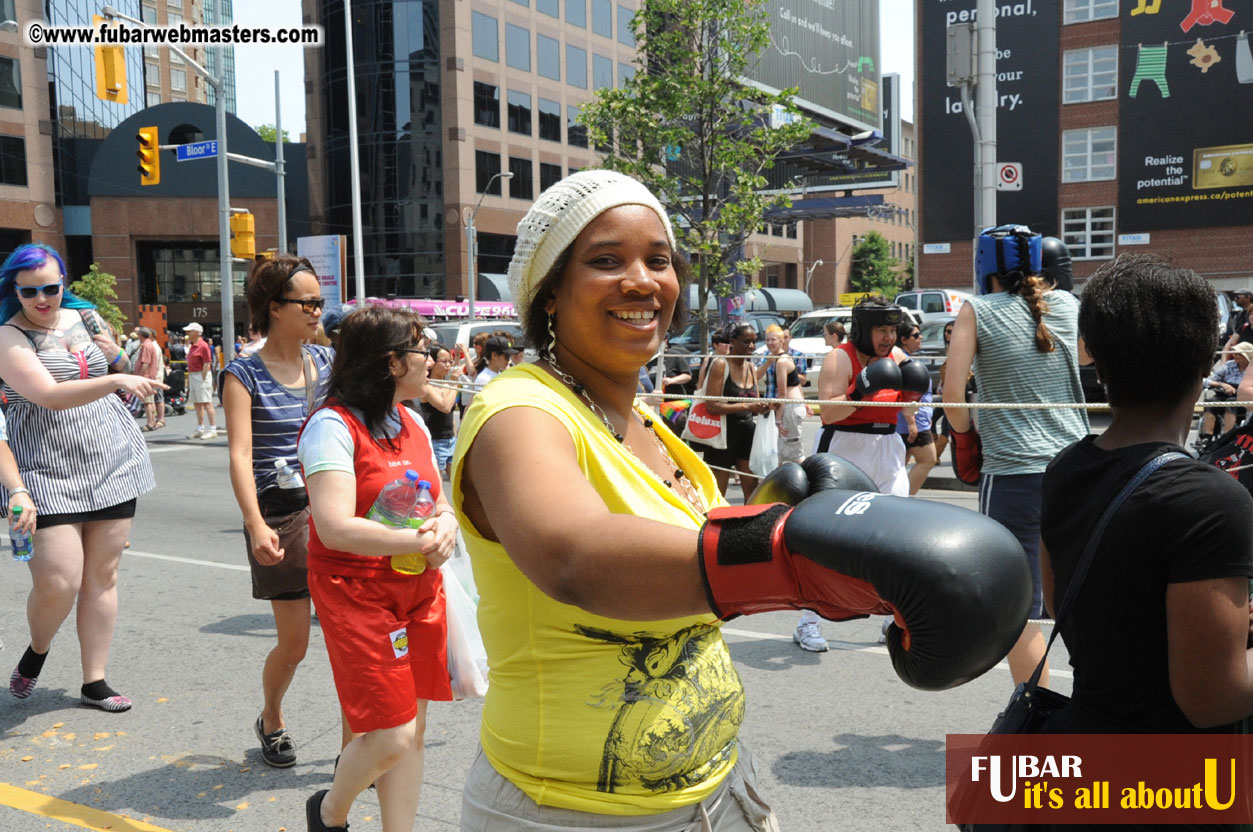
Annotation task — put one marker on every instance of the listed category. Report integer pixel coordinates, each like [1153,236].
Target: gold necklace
[686,489]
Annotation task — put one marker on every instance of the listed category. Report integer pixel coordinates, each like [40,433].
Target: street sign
[197,150]
[1008,176]
[937,248]
[1141,239]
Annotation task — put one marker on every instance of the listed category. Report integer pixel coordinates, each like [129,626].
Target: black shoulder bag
[1031,706]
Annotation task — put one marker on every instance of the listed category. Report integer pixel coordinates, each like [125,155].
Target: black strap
[1089,551]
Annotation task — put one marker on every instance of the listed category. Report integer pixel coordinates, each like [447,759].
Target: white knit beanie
[557,218]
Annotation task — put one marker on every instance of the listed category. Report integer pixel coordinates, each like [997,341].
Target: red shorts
[388,645]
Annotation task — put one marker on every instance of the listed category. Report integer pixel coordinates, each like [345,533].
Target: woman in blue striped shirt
[267,396]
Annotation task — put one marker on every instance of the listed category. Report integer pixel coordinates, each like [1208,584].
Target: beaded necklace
[686,489]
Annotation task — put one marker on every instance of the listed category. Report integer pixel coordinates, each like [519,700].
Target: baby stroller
[176,396]
[1233,453]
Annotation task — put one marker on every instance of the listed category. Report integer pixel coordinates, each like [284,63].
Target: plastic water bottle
[288,477]
[396,501]
[423,508]
[23,546]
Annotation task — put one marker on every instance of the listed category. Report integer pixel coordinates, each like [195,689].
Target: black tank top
[730,388]
[437,421]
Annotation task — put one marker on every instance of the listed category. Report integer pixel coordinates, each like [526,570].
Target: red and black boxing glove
[915,381]
[878,381]
[792,482]
[957,583]
[967,455]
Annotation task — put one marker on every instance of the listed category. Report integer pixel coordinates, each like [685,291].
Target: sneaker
[198,434]
[277,748]
[313,814]
[809,637]
[20,686]
[211,433]
[114,704]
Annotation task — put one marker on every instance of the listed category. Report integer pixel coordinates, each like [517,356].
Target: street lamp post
[809,274]
[224,194]
[472,240]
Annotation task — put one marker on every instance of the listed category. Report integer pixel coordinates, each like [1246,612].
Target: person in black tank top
[735,376]
[437,407]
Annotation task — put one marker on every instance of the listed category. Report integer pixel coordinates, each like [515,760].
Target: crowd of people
[613,701]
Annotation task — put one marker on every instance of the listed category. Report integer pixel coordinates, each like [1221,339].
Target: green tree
[266,132]
[98,287]
[907,275]
[688,127]
[873,268]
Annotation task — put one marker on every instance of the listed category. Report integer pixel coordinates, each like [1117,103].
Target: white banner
[328,255]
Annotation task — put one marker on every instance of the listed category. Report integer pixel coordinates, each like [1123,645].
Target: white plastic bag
[467,659]
[765,454]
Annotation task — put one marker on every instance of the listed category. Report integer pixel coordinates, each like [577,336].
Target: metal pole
[358,245]
[224,220]
[986,41]
[278,170]
[471,244]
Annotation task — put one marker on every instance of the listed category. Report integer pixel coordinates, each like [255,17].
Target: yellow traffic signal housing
[243,236]
[110,69]
[149,156]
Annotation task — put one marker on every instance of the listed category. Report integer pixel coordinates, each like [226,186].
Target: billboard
[1027,86]
[1185,98]
[829,50]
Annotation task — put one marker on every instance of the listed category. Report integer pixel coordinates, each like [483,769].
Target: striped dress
[86,458]
[277,411]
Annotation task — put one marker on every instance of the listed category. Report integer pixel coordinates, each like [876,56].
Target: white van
[933,304]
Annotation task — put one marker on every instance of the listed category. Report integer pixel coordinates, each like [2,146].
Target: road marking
[858,648]
[72,813]
[233,566]
[838,645]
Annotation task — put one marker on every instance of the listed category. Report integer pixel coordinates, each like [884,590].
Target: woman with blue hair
[80,455]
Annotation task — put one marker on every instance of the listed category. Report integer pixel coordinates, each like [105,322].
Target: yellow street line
[73,813]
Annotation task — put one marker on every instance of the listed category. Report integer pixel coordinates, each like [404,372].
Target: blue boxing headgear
[1011,252]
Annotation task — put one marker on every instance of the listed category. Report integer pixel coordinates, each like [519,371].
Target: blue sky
[255,65]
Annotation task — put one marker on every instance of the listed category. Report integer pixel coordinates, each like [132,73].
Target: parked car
[933,304]
[451,333]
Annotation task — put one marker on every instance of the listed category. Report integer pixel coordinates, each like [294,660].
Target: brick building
[1145,109]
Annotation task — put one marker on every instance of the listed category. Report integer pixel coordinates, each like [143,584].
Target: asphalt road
[841,742]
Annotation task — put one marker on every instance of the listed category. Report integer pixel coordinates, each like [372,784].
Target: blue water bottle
[22,544]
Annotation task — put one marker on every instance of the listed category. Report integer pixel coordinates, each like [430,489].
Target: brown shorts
[924,438]
[285,580]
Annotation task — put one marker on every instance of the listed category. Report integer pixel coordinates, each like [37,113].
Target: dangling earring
[551,348]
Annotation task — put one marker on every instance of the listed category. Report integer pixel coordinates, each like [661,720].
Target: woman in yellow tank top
[613,699]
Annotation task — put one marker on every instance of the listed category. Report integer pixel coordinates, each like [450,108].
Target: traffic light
[149,156]
[243,236]
[110,69]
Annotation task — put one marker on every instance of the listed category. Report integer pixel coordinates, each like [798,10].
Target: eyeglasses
[28,292]
[309,305]
[914,335]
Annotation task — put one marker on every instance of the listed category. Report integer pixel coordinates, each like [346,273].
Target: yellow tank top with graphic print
[585,712]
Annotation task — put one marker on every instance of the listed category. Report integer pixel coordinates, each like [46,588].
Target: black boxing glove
[915,381]
[967,455]
[878,381]
[957,583]
[792,482]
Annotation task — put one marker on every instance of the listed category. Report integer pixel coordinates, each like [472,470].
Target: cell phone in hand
[91,321]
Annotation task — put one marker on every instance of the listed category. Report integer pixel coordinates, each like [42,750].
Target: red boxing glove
[967,456]
[956,582]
